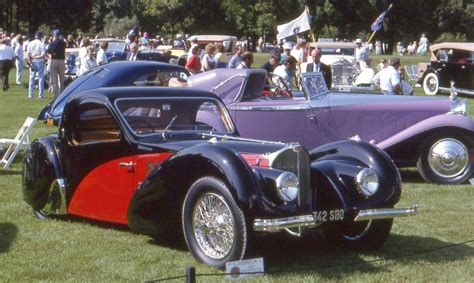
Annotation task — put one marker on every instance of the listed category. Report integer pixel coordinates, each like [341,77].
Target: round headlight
[287,185]
[367,182]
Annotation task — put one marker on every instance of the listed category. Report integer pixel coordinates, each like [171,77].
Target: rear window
[149,116]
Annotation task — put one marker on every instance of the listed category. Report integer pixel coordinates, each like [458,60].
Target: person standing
[83,53]
[193,64]
[361,54]
[7,56]
[388,79]
[247,61]
[236,59]
[133,53]
[35,55]
[287,70]
[57,54]
[221,57]
[422,45]
[318,66]
[19,59]
[101,55]
[208,62]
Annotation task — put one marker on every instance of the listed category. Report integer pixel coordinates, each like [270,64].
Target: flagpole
[370,38]
[306,8]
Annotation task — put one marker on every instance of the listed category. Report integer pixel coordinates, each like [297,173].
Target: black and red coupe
[160,158]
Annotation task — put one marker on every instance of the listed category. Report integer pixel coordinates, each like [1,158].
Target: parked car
[345,70]
[432,133]
[176,161]
[120,73]
[450,61]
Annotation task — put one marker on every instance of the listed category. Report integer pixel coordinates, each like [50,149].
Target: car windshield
[314,85]
[151,116]
[116,46]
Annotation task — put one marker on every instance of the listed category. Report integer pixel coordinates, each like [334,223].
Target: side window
[94,123]
[442,56]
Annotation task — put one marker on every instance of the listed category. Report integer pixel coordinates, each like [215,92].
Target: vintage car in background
[432,133]
[345,70]
[450,61]
[166,161]
[120,73]
[229,43]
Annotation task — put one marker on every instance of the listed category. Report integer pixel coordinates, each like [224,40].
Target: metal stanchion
[190,274]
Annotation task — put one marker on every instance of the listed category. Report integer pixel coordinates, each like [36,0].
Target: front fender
[158,200]
[339,163]
[41,167]
[450,120]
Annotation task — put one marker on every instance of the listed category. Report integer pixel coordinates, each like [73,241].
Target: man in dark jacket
[318,66]
[272,62]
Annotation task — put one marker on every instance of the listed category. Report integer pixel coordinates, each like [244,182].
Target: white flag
[296,26]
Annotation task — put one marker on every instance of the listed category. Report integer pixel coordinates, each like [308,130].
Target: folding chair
[21,140]
[412,71]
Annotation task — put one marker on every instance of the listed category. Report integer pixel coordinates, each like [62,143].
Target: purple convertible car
[432,133]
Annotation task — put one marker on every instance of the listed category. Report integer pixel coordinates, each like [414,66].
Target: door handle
[312,117]
[128,165]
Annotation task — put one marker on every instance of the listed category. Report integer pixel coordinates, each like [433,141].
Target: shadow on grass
[411,176]
[5,172]
[285,255]
[8,232]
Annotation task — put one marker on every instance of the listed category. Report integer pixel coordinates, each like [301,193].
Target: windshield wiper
[168,126]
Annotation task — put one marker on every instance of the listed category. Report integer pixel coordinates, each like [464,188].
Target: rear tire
[214,226]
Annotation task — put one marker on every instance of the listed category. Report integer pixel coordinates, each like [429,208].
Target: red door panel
[105,192]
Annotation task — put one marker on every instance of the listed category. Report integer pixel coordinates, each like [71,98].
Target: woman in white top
[82,55]
[208,62]
[101,56]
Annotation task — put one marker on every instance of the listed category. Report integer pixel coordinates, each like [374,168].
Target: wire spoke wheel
[213,225]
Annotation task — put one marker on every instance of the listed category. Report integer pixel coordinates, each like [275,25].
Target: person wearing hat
[318,66]
[388,79]
[57,54]
[361,54]
[35,55]
[287,46]
[7,57]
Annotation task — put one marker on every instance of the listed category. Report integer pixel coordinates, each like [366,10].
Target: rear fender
[158,200]
[41,168]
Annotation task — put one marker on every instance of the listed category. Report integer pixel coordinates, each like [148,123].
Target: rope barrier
[322,266]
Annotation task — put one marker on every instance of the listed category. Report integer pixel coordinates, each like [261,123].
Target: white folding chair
[21,140]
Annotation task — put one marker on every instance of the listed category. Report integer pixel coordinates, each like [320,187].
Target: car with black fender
[157,158]
[449,62]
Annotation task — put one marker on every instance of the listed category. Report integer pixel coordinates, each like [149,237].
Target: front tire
[445,160]
[214,226]
[366,235]
[431,84]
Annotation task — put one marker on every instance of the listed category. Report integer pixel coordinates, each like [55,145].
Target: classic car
[432,133]
[450,61]
[229,42]
[345,70]
[120,73]
[166,161]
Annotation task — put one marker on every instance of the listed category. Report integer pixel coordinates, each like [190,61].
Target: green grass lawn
[71,249]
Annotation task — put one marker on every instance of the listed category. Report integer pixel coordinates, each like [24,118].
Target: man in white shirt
[7,55]
[101,55]
[388,78]
[35,55]
[19,59]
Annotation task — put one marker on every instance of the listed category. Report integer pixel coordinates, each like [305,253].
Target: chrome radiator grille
[295,158]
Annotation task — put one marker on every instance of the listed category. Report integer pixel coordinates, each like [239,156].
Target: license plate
[329,215]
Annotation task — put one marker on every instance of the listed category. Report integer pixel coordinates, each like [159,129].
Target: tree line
[441,20]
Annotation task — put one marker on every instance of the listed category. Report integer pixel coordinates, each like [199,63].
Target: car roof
[333,44]
[108,39]
[113,93]
[468,46]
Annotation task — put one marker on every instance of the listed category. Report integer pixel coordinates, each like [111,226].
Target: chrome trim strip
[304,106]
[384,213]
[232,138]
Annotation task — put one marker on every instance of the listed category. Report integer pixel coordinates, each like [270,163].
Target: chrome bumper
[275,225]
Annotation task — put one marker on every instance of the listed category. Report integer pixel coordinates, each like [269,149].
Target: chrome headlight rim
[367,182]
[287,186]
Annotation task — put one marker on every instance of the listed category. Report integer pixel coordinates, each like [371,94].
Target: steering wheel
[141,121]
[278,84]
